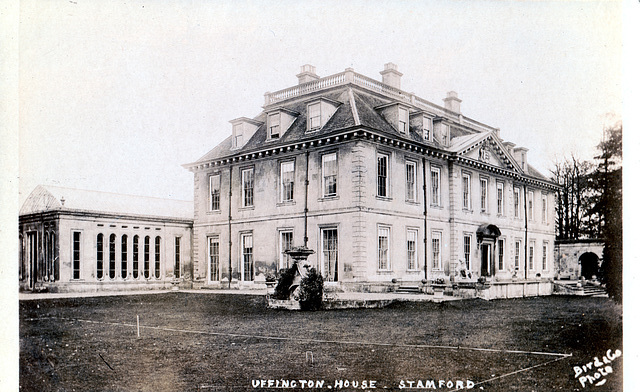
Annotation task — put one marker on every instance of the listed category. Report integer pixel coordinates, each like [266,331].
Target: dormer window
[397,115]
[237,136]
[427,128]
[314,116]
[274,126]
[422,123]
[319,112]
[278,122]
[403,120]
[242,130]
[441,132]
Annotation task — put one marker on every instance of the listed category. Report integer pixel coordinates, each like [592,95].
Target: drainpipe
[526,230]
[424,195]
[306,198]
[230,193]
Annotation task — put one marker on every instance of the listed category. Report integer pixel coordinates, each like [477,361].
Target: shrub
[284,282]
[310,293]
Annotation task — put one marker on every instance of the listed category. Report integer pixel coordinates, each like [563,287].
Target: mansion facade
[383,185]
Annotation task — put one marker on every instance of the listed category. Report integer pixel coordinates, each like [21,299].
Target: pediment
[489,151]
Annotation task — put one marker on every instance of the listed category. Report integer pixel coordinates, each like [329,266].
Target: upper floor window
[286,181]
[214,192]
[403,120]
[247,187]
[544,208]
[500,197]
[466,191]
[383,175]
[516,202]
[274,126]
[530,205]
[435,186]
[314,116]
[329,174]
[410,169]
[483,194]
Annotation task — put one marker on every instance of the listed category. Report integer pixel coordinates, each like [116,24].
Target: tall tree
[607,183]
[573,197]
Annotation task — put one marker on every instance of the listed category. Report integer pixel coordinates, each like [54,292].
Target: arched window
[146,257]
[157,269]
[135,257]
[100,256]
[112,256]
[123,259]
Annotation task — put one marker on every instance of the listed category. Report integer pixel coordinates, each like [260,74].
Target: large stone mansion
[385,186]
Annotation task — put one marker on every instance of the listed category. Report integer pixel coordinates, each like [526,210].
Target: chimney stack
[307,74]
[509,146]
[391,76]
[521,157]
[452,102]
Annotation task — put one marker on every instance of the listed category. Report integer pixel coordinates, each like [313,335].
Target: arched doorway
[589,263]
[487,235]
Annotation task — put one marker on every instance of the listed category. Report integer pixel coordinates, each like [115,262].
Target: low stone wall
[92,287]
[517,289]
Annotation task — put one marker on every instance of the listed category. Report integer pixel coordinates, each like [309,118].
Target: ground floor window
[286,243]
[157,264]
[147,244]
[330,254]
[247,256]
[500,254]
[436,241]
[544,257]
[531,258]
[412,256]
[383,248]
[123,259]
[516,257]
[135,256]
[76,255]
[100,256]
[176,266]
[112,256]
[214,259]
[466,248]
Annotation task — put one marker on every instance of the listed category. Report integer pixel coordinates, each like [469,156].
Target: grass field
[217,342]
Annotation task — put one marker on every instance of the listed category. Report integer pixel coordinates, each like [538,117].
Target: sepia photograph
[302,195]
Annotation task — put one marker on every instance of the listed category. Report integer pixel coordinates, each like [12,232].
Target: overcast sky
[116,95]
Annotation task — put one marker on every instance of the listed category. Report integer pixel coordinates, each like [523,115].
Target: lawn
[217,342]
